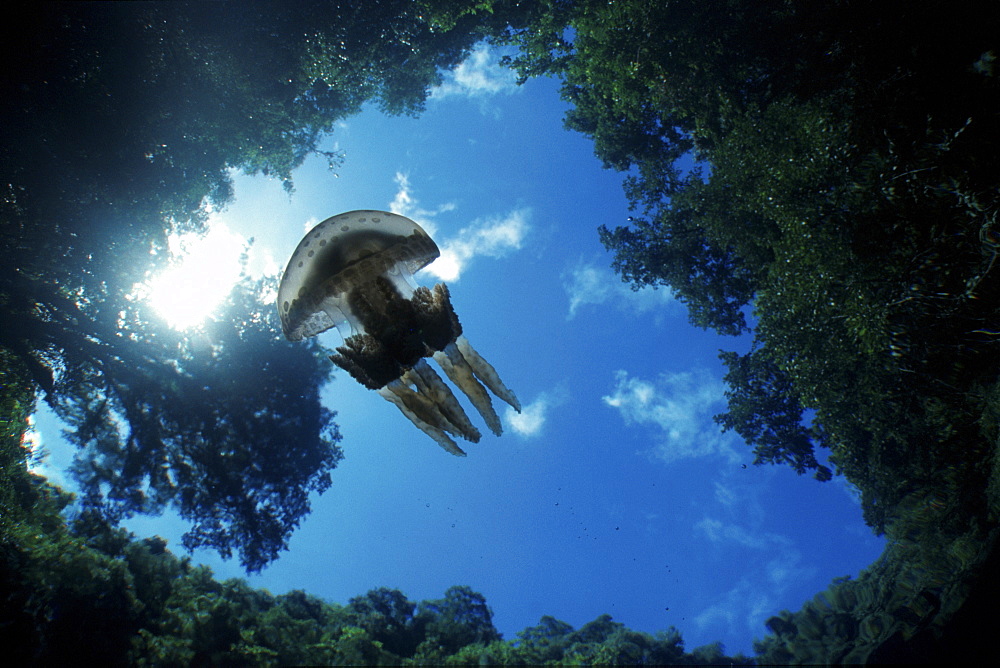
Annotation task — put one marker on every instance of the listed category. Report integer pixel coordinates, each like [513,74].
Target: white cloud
[718,531]
[405,204]
[787,569]
[531,419]
[492,237]
[741,611]
[680,407]
[479,75]
[311,222]
[588,284]
[738,609]
[726,495]
[744,608]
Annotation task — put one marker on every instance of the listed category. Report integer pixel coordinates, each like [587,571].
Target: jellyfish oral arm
[486,373]
[430,385]
[394,394]
[460,373]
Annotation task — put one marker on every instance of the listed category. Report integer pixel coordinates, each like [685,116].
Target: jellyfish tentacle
[486,373]
[434,388]
[365,358]
[436,316]
[395,392]
[412,390]
[425,402]
[460,373]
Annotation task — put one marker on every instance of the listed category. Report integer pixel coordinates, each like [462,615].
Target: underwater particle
[354,271]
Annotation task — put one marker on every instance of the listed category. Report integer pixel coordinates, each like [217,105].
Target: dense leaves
[764,410]
[224,423]
[122,123]
[92,593]
[844,189]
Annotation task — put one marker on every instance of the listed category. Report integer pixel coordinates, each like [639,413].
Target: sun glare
[204,270]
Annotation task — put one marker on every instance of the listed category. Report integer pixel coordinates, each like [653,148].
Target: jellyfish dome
[355,272]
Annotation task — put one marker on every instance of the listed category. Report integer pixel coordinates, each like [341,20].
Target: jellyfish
[355,272]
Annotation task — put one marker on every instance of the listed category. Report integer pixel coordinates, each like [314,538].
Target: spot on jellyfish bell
[355,272]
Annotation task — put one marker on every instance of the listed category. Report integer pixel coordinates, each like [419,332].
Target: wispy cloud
[530,421]
[679,407]
[589,284]
[718,531]
[406,204]
[755,597]
[479,75]
[492,237]
[741,611]
[726,495]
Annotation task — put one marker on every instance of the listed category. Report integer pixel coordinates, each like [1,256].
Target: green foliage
[61,587]
[123,123]
[461,618]
[872,619]
[386,615]
[545,642]
[17,402]
[844,189]
[764,410]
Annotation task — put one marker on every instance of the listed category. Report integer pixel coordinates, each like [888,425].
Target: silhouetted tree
[844,188]
[122,123]
[461,618]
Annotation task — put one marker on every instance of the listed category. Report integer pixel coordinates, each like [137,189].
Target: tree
[844,190]
[122,124]
[387,616]
[764,410]
[461,618]
[544,642]
[225,425]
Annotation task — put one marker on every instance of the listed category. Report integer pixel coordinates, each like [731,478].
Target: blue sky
[613,491]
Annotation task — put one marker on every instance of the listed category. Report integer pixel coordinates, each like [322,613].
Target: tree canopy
[122,124]
[63,585]
[821,175]
[843,191]
[832,171]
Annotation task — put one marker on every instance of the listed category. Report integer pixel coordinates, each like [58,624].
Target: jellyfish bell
[355,272]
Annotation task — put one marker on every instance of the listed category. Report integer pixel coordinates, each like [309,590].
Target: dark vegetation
[86,592]
[846,193]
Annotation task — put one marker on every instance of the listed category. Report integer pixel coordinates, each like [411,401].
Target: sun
[203,270]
